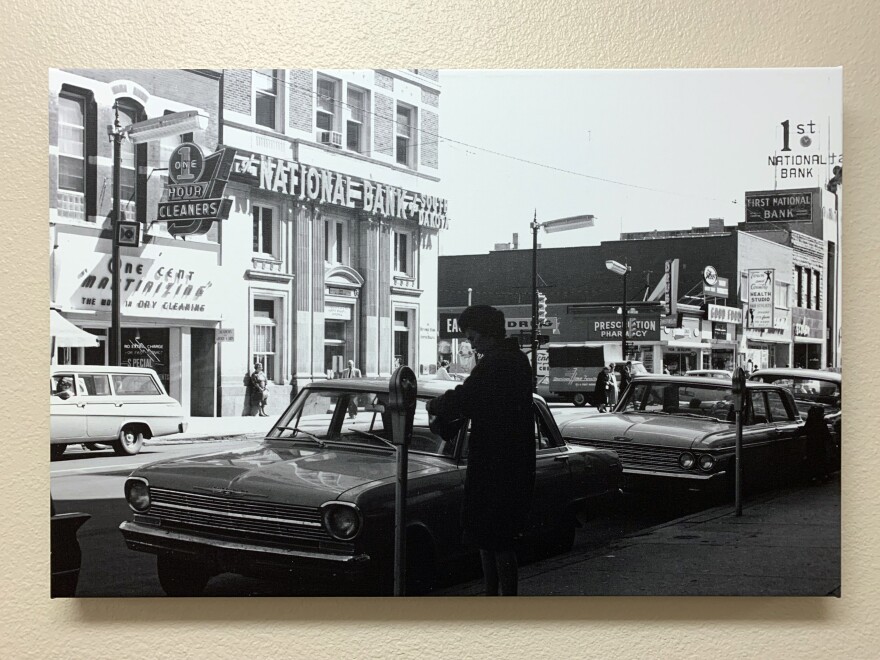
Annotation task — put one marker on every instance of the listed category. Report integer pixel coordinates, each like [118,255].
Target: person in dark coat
[818,445]
[600,392]
[500,478]
[626,376]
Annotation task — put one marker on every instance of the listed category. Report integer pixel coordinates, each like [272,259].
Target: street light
[550,226]
[157,128]
[621,269]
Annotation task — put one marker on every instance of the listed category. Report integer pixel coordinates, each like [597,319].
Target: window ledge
[267,268]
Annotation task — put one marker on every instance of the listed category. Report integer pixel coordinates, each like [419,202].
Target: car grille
[283,523]
[642,457]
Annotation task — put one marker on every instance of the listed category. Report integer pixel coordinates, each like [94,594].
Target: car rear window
[131,384]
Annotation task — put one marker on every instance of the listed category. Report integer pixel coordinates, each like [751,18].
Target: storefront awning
[66,334]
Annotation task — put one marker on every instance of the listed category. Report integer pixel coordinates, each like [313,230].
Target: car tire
[181,577]
[57,451]
[579,399]
[560,540]
[421,568]
[131,439]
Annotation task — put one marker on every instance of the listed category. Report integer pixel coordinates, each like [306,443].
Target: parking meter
[739,395]
[401,406]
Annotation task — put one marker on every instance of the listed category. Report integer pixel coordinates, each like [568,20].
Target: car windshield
[682,399]
[328,417]
[812,390]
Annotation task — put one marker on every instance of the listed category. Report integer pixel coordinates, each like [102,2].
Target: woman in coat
[600,393]
[500,478]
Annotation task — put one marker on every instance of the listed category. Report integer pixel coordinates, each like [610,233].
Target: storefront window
[402,326]
[263,338]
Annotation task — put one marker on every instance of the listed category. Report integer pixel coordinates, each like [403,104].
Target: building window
[71,143]
[266,84]
[327,102]
[264,336]
[264,230]
[402,255]
[405,128]
[356,121]
[817,291]
[335,241]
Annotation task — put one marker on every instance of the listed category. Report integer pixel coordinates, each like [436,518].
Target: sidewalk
[786,543]
[201,429]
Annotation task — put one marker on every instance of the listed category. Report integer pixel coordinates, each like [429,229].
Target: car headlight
[687,460]
[341,520]
[137,492]
[706,462]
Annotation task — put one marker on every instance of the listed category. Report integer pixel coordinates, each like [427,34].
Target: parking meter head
[402,393]
[739,388]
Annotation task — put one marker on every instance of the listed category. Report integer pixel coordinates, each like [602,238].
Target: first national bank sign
[315,184]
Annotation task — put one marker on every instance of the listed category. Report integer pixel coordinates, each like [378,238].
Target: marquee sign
[316,184]
[194,192]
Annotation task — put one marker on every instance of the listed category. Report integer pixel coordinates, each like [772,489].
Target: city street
[92,482]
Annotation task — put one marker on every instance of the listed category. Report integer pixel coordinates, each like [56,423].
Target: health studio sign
[762,283]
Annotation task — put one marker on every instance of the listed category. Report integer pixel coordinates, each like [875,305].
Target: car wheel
[579,399]
[560,540]
[57,451]
[130,441]
[181,577]
[421,569]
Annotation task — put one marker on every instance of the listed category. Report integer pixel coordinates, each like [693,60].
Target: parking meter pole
[401,405]
[739,394]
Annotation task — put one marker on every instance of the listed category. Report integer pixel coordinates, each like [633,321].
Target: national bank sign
[316,184]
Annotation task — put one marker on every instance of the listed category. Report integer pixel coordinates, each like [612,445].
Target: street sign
[225,334]
[128,234]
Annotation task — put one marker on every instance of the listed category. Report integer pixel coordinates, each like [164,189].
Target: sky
[638,149]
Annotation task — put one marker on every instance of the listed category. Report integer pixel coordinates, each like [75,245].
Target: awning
[66,334]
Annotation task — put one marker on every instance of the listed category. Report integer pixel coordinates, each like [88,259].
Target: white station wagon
[120,406]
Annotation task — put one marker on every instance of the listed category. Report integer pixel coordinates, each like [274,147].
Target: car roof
[789,372]
[426,386]
[699,380]
[99,369]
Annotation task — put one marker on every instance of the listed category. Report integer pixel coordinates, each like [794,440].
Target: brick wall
[428,138]
[430,98]
[430,74]
[237,87]
[385,82]
[301,99]
[383,133]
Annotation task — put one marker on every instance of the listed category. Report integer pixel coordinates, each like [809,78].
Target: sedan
[678,432]
[317,496]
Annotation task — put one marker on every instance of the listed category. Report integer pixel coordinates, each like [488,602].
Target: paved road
[92,482]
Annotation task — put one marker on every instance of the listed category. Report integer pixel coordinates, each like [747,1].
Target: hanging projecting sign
[761,287]
[194,193]
[720,314]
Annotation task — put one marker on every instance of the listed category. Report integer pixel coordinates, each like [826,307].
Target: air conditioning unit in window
[333,138]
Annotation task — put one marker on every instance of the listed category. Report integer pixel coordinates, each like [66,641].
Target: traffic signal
[542,308]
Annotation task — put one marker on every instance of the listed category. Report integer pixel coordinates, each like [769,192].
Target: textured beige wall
[521,34]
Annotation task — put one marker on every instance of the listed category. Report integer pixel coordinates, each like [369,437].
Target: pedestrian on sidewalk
[818,445]
[351,371]
[259,389]
[443,371]
[600,392]
[500,477]
[626,376]
[613,392]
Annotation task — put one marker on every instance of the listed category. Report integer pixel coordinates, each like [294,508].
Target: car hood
[644,428]
[283,472]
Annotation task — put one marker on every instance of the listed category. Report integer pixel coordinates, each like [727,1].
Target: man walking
[497,398]
[351,371]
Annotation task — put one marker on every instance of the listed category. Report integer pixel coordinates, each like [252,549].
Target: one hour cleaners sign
[761,287]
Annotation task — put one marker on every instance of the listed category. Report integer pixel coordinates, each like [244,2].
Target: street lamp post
[174,123]
[561,224]
[621,269]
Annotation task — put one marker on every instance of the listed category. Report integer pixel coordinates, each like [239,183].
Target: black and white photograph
[445,332]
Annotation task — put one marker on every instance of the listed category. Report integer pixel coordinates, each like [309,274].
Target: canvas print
[423,332]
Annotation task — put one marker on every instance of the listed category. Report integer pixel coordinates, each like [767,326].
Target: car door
[553,480]
[67,416]
[103,412]
[139,396]
[760,440]
[790,429]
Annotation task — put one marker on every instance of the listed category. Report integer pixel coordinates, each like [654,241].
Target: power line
[340,102]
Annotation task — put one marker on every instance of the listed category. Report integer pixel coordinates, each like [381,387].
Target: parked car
[723,374]
[316,497]
[66,555]
[811,387]
[120,406]
[679,432]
